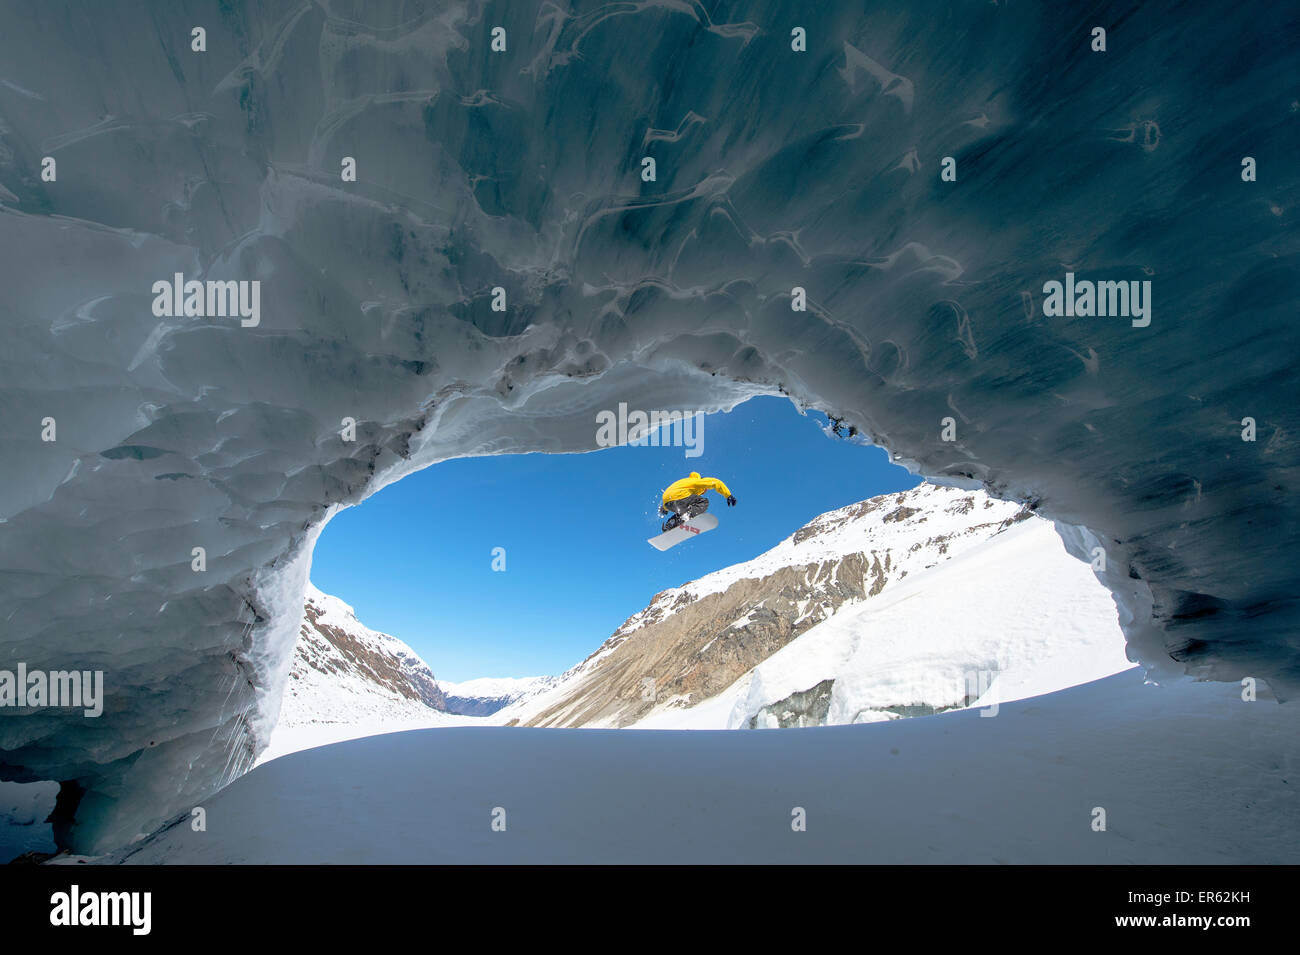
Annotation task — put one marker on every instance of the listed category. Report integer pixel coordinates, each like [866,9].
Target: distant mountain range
[485,696]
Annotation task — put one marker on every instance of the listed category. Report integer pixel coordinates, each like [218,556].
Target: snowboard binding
[684,511]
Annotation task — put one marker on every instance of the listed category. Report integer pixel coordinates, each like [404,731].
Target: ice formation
[516,176]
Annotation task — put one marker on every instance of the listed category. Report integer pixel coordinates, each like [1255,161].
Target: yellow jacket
[694,485]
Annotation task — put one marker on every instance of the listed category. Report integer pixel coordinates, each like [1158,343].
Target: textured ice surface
[521,170]
[24,809]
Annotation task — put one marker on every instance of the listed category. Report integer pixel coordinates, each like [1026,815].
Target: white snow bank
[1186,773]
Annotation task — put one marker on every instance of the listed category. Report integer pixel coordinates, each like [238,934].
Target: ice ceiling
[522,170]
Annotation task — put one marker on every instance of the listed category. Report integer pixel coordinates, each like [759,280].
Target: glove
[663,508]
[731,501]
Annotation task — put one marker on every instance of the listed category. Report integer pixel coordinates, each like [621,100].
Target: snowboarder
[685,498]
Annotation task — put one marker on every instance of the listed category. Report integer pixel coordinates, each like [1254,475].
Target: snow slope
[909,602]
[1186,773]
[1013,618]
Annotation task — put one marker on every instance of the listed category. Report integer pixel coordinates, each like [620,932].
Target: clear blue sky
[415,560]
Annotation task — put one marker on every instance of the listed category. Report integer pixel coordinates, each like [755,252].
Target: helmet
[695,475]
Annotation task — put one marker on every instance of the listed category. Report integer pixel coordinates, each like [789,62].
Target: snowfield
[293,739]
[1020,787]
[1014,617]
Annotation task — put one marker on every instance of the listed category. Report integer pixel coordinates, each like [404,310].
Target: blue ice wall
[522,169]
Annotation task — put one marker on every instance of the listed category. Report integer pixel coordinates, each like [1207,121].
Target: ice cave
[502,266]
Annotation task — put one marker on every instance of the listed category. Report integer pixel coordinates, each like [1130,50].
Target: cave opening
[512,575]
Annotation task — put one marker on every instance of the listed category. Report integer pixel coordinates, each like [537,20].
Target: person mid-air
[685,499]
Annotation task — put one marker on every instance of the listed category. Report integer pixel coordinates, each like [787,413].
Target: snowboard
[682,532]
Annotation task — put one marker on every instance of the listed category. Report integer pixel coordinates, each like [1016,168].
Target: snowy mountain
[345,674]
[905,604]
[484,696]
[349,681]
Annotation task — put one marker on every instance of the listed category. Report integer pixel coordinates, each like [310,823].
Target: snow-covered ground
[293,738]
[1185,773]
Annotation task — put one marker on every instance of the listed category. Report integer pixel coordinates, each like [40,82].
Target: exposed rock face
[694,641]
[476,706]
